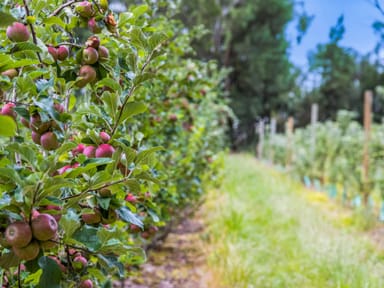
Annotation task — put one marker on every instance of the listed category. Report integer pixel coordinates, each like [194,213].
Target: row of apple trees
[330,155]
[108,130]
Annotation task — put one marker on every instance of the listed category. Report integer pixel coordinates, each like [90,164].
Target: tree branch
[58,10]
[32,29]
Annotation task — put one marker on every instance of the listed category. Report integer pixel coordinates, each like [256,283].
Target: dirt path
[180,261]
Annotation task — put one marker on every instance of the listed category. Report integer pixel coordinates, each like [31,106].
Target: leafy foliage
[110,146]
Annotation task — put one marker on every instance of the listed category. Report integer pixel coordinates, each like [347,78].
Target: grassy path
[265,233]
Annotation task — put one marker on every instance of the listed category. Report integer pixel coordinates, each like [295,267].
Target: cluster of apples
[96,21]
[91,54]
[26,239]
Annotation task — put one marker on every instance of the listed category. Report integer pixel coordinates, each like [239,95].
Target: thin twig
[58,10]
[89,189]
[32,29]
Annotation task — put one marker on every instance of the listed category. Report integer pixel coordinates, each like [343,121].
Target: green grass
[265,233]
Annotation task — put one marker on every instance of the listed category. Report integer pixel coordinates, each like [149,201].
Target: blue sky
[358,18]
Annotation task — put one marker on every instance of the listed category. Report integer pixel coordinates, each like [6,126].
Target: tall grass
[263,233]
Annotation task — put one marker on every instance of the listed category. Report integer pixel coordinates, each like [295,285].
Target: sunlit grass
[264,233]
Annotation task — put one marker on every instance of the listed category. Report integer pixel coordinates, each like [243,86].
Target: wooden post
[272,133]
[289,132]
[260,130]
[367,137]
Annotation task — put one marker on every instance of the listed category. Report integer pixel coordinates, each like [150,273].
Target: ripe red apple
[18,234]
[63,169]
[11,73]
[44,227]
[130,198]
[89,151]
[84,9]
[27,253]
[93,42]
[36,137]
[90,55]
[91,218]
[104,150]
[104,137]
[112,217]
[18,32]
[53,51]
[87,74]
[103,53]
[86,284]
[79,149]
[49,141]
[62,52]
[79,263]
[94,26]
[8,110]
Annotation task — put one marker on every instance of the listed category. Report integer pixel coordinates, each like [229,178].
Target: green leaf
[24,150]
[138,38]
[6,19]
[143,155]
[11,175]
[17,64]
[51,273]
[8,260]
[111,102]
[25,46]
[132,109]
[146,176]
[88,236]
[139,10]
[127,216]
[69,222]
[7,126]
[156,39]
[143,77]
[133,185]
[153,215]
[54,20]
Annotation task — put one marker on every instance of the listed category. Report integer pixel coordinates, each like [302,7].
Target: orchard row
[108,132]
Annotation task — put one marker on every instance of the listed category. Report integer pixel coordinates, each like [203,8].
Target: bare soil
[180,261]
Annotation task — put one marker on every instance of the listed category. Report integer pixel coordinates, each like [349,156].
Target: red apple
[62,53]
[29,252]
[94,26]
[79,263]
[104,150]
[18,234]
[79,149]
[53,210]
[44,227]
[18,32]
[104,137]
[89,151]
[11,73]
[93,42]
[53,51]
[87,74]
[36,137]
[103,53]
[86,284]
[8,110]
[90,55]
[84,9]
[130,198]
[91,218]
[59,108]
[49,141]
